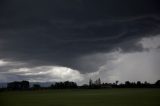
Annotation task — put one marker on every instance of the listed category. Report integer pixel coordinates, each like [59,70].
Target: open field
[82,97]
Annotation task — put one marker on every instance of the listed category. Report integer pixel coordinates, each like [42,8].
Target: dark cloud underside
[60,32]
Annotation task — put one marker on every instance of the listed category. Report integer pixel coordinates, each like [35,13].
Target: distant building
[96,83]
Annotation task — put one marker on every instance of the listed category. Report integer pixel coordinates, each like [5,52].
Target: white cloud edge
[112,69]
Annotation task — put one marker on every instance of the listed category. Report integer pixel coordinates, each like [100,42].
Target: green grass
[99,97]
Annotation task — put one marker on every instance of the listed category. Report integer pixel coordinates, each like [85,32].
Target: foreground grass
[77,97]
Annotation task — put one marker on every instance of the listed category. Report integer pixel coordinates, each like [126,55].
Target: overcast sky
[58,40]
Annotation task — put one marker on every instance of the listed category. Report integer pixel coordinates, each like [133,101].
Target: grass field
[78,97]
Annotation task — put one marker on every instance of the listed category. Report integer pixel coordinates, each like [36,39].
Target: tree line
[25,85]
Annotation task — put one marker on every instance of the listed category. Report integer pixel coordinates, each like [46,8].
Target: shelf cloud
[79,39]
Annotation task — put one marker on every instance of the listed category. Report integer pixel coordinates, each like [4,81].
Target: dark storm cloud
[60,32]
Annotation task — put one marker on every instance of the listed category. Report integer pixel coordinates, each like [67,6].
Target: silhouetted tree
[52,86]
[36,86]
[127,84]
[139,84]
[157,84]
[117,82]
[66,84]
[90,82]
[25,84]
[16,85]
[84,86]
